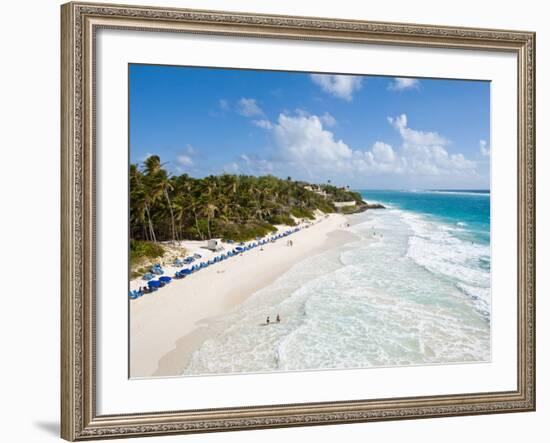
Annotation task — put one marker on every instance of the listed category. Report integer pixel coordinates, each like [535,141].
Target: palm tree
[209,211]
[171,207]
[168,186]
[160,185]
[142,199]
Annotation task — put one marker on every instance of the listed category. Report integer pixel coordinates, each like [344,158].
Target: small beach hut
[213,245]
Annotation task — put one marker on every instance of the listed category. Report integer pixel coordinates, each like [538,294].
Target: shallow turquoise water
[469,210]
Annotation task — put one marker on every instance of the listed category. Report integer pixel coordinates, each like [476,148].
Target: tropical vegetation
[232,207]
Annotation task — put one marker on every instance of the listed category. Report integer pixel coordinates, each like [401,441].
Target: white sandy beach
[168,325]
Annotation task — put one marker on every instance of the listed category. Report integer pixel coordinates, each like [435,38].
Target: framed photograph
[283,221]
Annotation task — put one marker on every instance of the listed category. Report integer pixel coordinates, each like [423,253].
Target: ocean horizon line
[461,190]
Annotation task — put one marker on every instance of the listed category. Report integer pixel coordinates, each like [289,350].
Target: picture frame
[79,387]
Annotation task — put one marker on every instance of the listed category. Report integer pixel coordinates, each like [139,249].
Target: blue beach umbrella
[165,279]
[153,284]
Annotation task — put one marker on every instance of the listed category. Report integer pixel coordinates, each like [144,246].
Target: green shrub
[327,207]
[140,250]
[282,219]
[348,209]
[245,232]
[299,212]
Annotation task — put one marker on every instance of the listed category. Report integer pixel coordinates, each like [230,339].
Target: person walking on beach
[267,320]
[278,319]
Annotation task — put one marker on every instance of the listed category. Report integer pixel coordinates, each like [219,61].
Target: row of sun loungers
[154,285]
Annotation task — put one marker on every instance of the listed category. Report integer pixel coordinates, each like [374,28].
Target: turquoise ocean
[412,289]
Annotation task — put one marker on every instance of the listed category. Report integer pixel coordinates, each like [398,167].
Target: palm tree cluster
[232,207]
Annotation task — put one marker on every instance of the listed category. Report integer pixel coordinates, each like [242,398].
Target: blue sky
[363,131]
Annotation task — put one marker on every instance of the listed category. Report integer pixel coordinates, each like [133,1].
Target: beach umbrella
[165,279]
[154,284]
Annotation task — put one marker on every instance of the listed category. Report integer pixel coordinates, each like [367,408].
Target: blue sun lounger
[154,284]
[135,294]
[148,276]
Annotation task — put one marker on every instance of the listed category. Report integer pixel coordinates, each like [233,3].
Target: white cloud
[416,137]
[424,152]
[249,107]
[252,164]
[302,138]
[328,119]
[484,148]
[184,160]
[263,166]
[224,104]
[401,83]
[383,152]
[304,144]
[265,124]
[341,86]
[231,168]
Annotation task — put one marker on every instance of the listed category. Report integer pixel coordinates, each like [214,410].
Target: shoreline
[168,326]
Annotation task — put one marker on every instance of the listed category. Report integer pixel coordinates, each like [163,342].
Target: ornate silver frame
[80,21]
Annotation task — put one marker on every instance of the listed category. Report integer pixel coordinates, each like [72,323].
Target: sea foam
[408,292]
